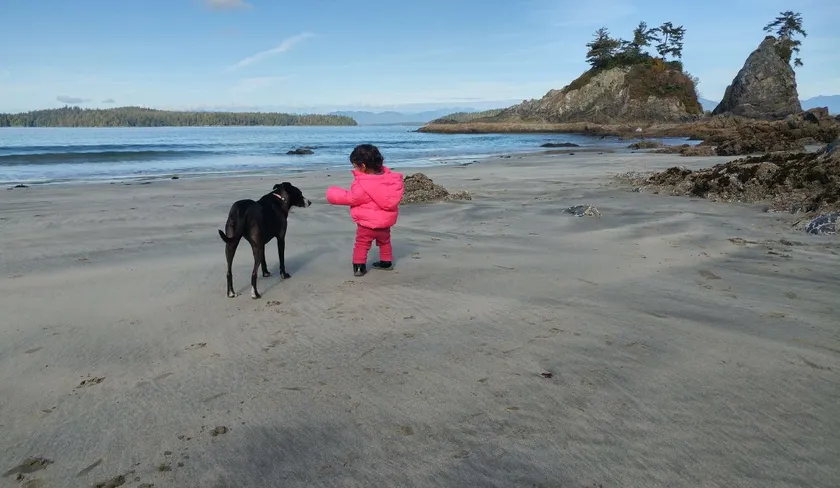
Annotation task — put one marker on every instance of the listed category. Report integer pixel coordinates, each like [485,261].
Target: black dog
[259,222]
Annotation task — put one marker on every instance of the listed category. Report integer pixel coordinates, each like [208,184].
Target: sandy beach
[672,342]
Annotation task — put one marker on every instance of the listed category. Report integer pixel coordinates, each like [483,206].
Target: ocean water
[58,155]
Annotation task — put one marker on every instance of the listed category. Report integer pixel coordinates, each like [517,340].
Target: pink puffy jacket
[373,199]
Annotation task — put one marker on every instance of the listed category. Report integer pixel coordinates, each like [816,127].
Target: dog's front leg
[281,251]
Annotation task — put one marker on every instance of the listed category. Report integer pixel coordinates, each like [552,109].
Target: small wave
[59,149]
[96,157]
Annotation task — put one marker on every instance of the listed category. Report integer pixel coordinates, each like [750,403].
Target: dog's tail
[224,236]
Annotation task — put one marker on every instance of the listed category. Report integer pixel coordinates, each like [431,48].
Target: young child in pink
[374,200]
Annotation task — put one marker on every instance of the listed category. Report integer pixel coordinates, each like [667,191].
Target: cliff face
[624,94]
[765,88]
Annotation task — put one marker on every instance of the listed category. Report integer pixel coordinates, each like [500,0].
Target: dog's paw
[285,276]
[266,274]
[231,294]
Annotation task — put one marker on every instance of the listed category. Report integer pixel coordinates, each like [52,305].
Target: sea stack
[765,88]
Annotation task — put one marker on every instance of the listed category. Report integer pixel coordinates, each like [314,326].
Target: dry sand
[678,357]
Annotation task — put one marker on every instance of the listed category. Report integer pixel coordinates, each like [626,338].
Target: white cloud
[71,100]
[280,48]
[248,85]
[226,4]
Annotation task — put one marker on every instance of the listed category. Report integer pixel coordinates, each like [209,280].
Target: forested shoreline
[146,117]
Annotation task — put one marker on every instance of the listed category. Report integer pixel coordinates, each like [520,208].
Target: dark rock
[698,151]
[301,151]
[688,150]
[175,177]
[583,211]
[419,188]
[765,88]
[646,145]
[559,144]
[18,186]
[817,113]
[824,224]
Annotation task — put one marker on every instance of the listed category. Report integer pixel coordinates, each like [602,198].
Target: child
[374,199]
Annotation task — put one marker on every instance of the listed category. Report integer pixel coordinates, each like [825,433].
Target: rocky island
[640,89]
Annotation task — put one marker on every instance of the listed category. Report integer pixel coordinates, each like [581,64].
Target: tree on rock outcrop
[787,25]
[642,38]
[670,40]
[602,48]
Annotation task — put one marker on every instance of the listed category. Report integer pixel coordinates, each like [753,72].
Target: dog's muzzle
[308,203]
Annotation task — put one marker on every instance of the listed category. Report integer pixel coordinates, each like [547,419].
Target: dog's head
[291,194]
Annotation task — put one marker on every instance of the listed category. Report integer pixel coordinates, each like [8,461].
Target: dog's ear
[277,187]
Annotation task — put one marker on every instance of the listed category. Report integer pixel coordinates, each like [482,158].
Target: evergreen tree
[602,49]
[670,40]
[642,38]
[787,25]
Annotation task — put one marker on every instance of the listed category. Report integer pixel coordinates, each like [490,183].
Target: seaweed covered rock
[733,135]
[419,188]
[646,144]
[559,144]
[800,182]
[687,150]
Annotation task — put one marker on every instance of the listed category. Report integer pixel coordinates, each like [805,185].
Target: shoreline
[430,163]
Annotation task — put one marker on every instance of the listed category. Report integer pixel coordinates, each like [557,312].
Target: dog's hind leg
[259,258]
[230,251]
[281,251]
[266,273]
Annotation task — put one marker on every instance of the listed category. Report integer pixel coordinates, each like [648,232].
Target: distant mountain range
[394,117]
[830,101]
[707,104]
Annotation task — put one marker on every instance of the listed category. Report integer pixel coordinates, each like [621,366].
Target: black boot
[383,265]
[359,269]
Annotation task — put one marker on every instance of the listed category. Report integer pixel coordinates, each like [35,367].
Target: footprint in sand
[29,465]
[273,344]
[34,349]
[195,346]
[89,468]
[90,382]
[708,274]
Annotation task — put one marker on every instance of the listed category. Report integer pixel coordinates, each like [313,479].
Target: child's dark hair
[369,155]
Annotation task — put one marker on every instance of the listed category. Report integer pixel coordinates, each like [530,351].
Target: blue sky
[363,54]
